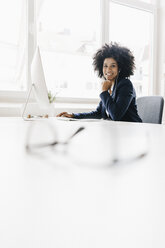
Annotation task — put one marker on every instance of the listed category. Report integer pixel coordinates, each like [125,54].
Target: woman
[118,98]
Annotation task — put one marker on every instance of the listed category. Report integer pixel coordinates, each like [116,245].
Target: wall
[160,80]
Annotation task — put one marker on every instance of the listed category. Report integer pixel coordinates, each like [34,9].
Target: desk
[53,201]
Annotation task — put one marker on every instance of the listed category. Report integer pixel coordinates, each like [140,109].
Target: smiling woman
[110,69]
[118,98]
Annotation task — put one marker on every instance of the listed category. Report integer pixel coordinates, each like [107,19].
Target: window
[132,26]
[12,45]
[68,34]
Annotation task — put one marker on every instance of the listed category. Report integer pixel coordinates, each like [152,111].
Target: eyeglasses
[44,136]
[108,144]
[93,144]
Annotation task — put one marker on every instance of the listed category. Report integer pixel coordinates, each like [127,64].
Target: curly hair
[122,55]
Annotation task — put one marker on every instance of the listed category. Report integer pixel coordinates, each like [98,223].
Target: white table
[54,199]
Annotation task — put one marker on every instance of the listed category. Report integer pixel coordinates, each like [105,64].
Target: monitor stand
[31,117]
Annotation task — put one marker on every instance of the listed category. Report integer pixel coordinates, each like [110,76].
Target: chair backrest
[150,108]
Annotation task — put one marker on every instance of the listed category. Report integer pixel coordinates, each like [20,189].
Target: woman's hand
[65,114]
[106,85]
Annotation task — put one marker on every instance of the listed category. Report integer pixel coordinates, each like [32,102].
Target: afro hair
[121,54]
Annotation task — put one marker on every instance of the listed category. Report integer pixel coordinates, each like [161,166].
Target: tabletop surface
[105,188]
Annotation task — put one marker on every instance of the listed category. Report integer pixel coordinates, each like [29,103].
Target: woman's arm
[117,107]
[89,115]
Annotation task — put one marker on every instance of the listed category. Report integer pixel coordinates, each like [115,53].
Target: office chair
[150,108]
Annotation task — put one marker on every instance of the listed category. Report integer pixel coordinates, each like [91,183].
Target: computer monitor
[38,80]
[40,90]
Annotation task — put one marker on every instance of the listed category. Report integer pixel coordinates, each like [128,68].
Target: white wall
[160,79]
[161,49]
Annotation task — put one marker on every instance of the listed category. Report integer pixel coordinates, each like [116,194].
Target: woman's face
[110,69]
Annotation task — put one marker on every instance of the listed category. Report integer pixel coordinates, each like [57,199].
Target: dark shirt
[121,105]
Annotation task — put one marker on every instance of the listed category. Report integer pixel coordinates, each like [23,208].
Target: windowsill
[10,109]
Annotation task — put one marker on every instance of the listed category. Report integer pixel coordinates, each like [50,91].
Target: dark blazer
[121,105]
